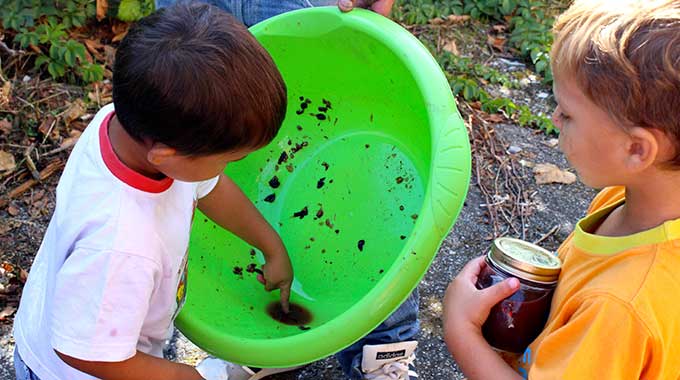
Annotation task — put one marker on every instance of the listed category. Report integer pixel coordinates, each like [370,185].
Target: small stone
[514,149]
[13,210]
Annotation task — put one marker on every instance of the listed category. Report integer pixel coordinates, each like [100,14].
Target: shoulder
[607,197]
[634,285]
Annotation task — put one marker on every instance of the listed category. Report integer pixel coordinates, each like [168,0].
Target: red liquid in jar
[517,320]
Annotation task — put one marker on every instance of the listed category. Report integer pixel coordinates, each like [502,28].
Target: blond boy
[614,314]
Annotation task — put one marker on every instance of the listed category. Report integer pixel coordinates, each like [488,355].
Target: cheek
[565,143]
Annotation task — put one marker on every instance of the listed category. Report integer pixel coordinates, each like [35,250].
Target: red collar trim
[122,172]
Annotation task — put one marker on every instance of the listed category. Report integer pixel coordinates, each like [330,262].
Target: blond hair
[625,56]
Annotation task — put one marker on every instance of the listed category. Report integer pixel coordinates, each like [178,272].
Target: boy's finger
[346,5]
[285,296]
[473,267]
[495,294]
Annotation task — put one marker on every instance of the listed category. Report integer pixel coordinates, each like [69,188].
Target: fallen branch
[65,146]
[547,235]
[50,169]
[29,162]
[6,49]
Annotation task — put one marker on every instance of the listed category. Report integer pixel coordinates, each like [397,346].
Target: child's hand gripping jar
[517,320]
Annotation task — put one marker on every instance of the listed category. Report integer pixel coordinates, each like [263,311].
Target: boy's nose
[556,118]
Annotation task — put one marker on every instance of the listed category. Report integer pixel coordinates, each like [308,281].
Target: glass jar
[517,320]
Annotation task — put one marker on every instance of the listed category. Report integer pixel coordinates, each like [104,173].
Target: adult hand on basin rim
[382,7]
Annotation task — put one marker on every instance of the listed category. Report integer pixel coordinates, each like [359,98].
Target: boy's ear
[159,153]
[643,149]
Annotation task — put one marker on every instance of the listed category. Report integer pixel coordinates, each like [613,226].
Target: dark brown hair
[194,78]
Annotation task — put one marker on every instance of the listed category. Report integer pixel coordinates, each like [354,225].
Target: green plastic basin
[379,157]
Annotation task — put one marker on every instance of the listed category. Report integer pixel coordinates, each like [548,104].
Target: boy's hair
[625,56]
[192,77]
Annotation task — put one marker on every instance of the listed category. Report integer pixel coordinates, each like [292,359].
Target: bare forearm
[477,359]
[227,206]
[139,367]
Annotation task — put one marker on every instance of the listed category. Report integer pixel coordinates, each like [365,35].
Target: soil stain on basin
[297,316]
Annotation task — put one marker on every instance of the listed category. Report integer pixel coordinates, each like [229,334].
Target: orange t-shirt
[615,314]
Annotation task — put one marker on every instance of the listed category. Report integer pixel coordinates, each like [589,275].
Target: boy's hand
[213,369]
[382,7]
[278,274]
[466,308]
[230,208]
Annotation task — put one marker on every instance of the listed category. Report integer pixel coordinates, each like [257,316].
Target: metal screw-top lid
[525,260]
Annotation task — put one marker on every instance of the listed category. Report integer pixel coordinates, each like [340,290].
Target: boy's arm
[139,367]
[477,359]
[466,309]
[227,206]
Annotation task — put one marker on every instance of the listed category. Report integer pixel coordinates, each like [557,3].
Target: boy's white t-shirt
[109,277]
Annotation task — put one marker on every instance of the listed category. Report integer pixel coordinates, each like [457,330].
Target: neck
[131,152]
[652,202]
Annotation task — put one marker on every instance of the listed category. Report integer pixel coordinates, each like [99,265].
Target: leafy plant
[43,26]
[421,11]
[529,26]
[133,10]
[493,9]
[531,35]
[466,67]
[526,118]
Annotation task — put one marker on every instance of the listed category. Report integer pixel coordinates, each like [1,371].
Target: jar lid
[525,260]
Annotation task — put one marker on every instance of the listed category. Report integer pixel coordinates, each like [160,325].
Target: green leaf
[541,66]
[51,68]
[61,69]
[457,87]
[534,54]
[470,92]
[66,21]
[49,11]
[54,51]
[130,10]
[69,58]
[92,72]
[41,60]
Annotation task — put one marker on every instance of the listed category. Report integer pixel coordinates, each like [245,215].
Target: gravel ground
[554,205]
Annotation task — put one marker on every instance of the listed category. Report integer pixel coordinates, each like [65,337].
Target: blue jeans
[400,326]
[251,12]
[21,369]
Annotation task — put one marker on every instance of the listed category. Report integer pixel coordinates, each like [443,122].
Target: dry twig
[50,169]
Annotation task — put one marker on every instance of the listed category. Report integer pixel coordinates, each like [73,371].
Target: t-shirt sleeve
[100,303]
[606,197]
[603,340]
[205,187]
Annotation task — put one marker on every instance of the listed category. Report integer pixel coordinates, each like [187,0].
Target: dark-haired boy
[193,90]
